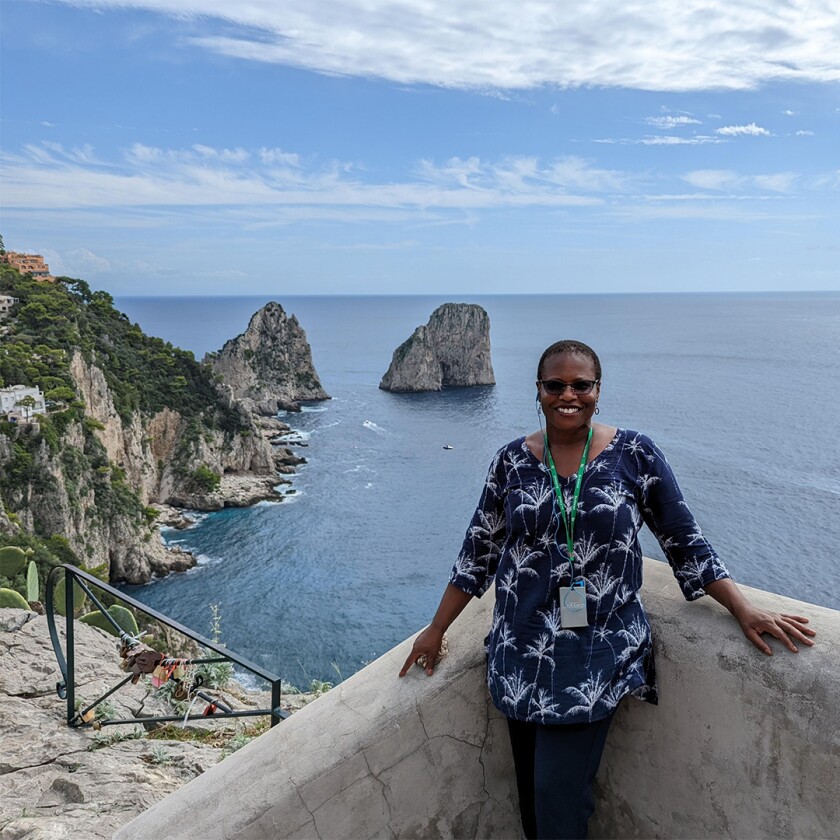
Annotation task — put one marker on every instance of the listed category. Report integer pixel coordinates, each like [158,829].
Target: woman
[557,527]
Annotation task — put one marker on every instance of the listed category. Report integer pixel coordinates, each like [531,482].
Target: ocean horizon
[734,387]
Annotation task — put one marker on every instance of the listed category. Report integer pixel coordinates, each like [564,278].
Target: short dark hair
[578,348]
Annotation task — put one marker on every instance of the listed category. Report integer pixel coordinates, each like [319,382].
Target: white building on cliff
[6,303]
[14,402]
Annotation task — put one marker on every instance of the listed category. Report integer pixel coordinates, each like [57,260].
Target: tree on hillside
[27,403]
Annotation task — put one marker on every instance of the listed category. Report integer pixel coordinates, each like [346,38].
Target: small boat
[448,446]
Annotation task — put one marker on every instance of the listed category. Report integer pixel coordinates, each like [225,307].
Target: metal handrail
[66,687]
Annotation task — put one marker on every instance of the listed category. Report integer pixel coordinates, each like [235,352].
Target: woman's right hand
[426,644]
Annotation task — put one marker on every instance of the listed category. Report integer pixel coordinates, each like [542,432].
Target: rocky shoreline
[236,489]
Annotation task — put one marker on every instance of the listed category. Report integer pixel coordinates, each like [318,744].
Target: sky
[178,147]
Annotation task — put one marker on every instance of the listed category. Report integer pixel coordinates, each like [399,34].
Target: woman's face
[568,411]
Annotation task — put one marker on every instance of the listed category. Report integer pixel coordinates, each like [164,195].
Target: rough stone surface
[270,365]
[374,757]
[741,746]
[52,785]
[452,350]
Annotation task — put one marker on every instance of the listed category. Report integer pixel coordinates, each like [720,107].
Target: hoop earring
[597,410]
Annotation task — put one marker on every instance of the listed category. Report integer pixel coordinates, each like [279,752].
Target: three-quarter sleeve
[690,555]
[478,558]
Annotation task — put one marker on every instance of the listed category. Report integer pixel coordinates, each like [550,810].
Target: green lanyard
[569,516]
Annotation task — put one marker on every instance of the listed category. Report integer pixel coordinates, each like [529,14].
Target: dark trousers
[555,769]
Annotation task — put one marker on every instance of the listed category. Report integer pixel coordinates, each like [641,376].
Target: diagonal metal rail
[66,687]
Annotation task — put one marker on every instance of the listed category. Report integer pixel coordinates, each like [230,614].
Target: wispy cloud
[526,175]
[751,130]
[670,122]
[661,140]
[79,262]
[659,45]
[50,177]
[672,140]
[726,180]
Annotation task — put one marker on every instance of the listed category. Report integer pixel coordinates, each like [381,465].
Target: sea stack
[452,350]
[269,366]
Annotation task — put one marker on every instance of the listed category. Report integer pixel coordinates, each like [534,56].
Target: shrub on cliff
[204,479]
[143,373]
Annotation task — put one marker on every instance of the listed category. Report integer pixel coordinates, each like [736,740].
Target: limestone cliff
[73,491]
[133,422]
[94,486]
[452,350]
[160,452]
[270,365]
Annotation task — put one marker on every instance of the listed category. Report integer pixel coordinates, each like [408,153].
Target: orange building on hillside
[29,264]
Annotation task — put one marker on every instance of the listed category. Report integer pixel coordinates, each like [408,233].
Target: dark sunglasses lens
[556,387]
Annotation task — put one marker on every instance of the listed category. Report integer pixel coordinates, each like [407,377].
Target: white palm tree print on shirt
[537,669]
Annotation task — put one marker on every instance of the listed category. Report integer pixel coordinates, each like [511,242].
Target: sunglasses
[556,387]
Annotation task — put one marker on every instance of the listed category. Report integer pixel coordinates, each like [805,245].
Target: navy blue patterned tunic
[536,670]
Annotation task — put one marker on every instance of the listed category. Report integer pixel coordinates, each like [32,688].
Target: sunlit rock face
[452,350]
[269,366]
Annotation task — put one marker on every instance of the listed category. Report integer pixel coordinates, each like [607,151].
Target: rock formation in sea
[452,350]
[269,366]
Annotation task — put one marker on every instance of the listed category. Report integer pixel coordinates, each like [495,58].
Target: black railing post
[66,687]
[69,605]
[276,686]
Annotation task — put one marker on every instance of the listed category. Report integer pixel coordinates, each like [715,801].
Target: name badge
[573,607]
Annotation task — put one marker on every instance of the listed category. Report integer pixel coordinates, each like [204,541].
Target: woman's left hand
[786,628]
[755,621]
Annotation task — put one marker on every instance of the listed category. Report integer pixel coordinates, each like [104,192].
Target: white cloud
[740,130]
[670,122]
[788,113]
[782,182]
[671,140]
[658,45]
[51,178]
[829,179]
[726,180]
[661,140]
[712,179]
[804,133]
[79,262]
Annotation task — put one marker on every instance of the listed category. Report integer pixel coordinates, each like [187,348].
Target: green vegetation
[50,324]
[33,586]
[100,740]
[10,598]
[205,479]
[60,596]
[52,320]
[45,554]
[12,560]
[123,616]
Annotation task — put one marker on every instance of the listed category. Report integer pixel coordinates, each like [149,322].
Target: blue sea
[739,390]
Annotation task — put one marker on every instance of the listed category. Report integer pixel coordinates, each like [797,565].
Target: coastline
[235,490]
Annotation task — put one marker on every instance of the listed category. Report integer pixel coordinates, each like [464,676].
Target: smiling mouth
[568,409]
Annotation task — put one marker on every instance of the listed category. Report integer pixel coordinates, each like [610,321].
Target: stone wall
[741,745]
